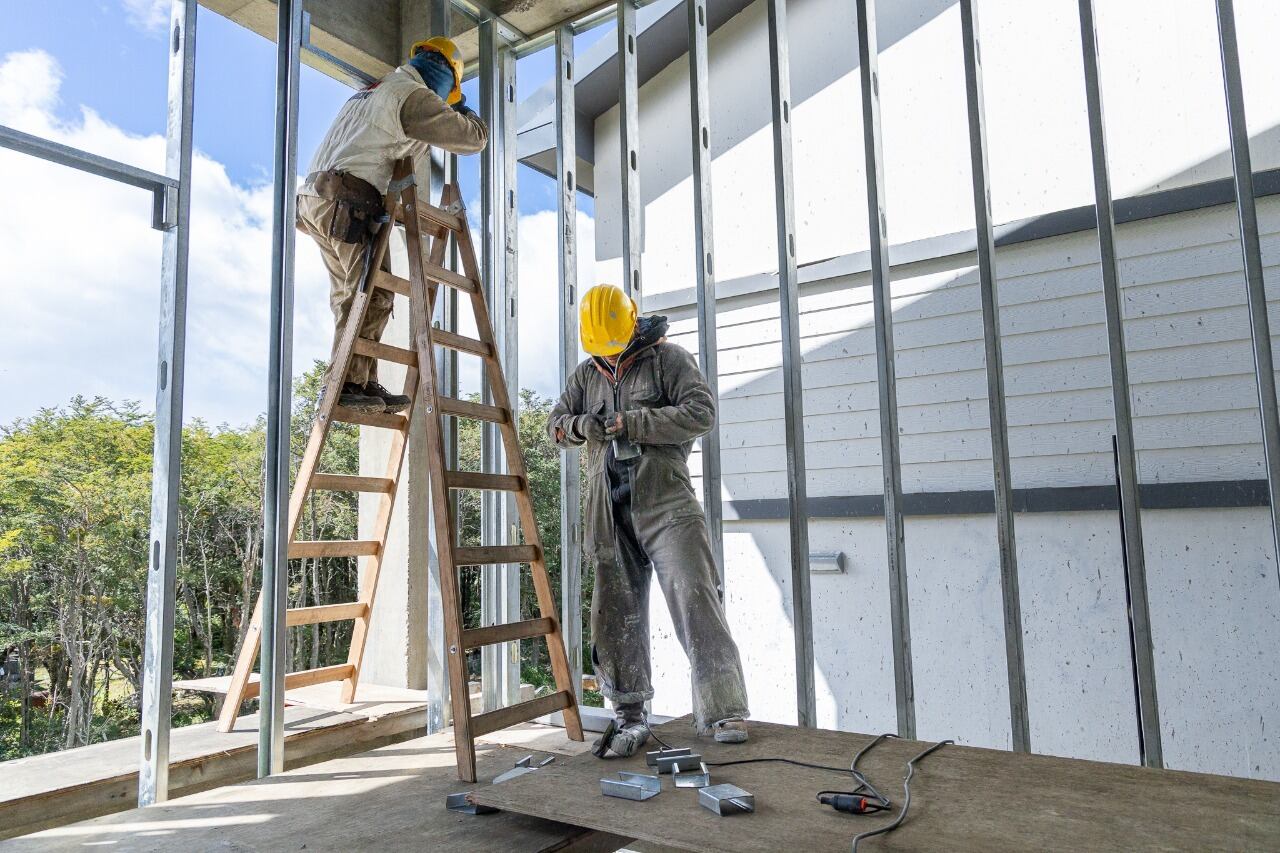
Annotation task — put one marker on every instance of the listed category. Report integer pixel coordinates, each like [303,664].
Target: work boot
[730,730]
[393,403]
[354,397]
[627,732]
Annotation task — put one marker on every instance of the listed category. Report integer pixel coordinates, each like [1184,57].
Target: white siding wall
[1214,592]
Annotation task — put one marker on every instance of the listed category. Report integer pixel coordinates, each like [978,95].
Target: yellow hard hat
[446,48]
[606,320]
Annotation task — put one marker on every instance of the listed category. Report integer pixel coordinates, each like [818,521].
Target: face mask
[435,72]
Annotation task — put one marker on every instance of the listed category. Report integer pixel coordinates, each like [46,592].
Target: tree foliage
[75,504]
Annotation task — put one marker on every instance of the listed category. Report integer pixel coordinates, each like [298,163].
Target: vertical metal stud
[439,14]
[704,269]
[1246,209]
[275,526]
[499,584]
[567,221]
[989,296]
[629,135]
[166,475]
[890,458]
[1144,658]
[792,363]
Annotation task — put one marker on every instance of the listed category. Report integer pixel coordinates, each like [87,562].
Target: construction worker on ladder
[416,106]
[637,404]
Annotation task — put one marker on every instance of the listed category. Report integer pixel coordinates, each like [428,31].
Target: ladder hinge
[401,184]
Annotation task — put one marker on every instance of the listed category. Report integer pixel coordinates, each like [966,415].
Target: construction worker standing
[418,105]
[638,404]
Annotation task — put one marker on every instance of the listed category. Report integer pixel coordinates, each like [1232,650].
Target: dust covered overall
[643,515]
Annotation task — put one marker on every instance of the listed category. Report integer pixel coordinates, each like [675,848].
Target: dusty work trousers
[680,555]
[345,263]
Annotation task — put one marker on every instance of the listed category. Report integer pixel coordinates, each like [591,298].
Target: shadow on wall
[1195,420]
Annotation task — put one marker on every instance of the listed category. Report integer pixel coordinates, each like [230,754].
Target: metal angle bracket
[461,803]
[696,778]
[399,185]
[652,758]
[523,766]
[726,799]
[632,786]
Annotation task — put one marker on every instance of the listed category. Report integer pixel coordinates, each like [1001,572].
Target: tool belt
[358,207]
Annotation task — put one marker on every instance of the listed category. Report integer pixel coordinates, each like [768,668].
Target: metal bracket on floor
[696,777]
[662,759]
[632,786]
[523,766]
[461,803]
[726,799]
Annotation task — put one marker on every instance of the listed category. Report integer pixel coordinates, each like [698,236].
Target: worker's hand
[461,107]
[591,427]
[616,427]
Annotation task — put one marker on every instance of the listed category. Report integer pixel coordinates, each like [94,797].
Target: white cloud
[147,15]
[539,261]
[80,273]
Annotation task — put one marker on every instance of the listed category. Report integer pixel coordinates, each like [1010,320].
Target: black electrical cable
[906,797]
[840,770]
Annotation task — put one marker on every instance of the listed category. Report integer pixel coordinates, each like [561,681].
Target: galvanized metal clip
[726,799]
[632,786]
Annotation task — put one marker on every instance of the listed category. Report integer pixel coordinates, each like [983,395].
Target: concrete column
[397,651]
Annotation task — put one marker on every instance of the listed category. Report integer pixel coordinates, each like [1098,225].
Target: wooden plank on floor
[391,798]
[962,798]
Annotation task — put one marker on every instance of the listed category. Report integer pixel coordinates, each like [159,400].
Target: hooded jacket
[665,405]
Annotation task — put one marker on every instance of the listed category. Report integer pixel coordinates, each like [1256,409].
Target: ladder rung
[393,283]
[325,613]
[448,339]
[487,482]
[477,411]
[492,554]
[436,216]
[474,638]
[435,272]
[334,548]
[370,419]
[385,352]
[351,483]
[502,718]
[307,677]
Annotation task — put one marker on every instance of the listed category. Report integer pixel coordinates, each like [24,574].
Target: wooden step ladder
[426,276]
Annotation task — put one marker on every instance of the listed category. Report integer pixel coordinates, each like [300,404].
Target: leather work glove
[615,427]
[591,427]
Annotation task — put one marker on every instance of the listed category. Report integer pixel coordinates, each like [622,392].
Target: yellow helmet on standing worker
[446,48]
[606,320]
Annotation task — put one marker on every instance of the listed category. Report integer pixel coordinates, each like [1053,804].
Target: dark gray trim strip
[1227,494]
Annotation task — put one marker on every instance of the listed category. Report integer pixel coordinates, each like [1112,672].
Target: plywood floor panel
[963,798]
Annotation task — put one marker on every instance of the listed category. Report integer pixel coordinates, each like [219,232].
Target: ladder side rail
[560,668]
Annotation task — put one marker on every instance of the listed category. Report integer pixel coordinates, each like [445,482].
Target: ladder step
[442,218]
[351,483]
[486,482]
[393,283]
[370,419]
[474,638]
[492,554]
[483,724]
[441,338]
[435,272]
[385,352]
[307,677]
[476,411]
[325,613]
[334,548]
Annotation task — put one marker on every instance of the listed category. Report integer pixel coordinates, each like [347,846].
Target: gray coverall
[665,404]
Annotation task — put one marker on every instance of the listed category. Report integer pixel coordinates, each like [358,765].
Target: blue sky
[92,74]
